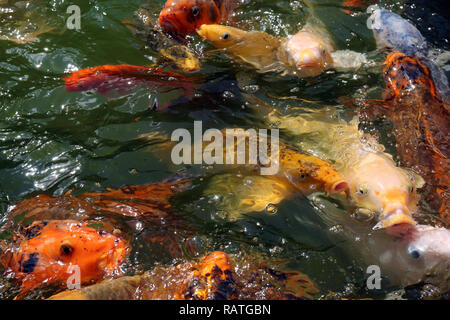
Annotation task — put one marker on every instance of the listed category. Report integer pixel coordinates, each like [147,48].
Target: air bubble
[271,209]
[251,88]
[336,229]
[228,94]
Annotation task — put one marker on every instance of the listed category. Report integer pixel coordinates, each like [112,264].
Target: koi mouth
[401,230]
[202,32]
[396,223]
[171,27]
[338,187]
[308,65]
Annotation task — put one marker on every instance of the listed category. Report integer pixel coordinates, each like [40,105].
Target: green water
[53,141]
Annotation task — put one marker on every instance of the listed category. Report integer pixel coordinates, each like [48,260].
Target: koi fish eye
[226,36]
[411,189]
[195,11]
[66,249]
[363,190]
[303,176]
[414,252]
[323,52]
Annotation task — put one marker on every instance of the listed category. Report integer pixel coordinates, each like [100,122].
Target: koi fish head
[311,174]
[404,72]
[212,279]
[54,250]
[182,58]
[394,33]
[182,17]
[309,53]
[429,248]
[377,186]
[422,256]
[222,37]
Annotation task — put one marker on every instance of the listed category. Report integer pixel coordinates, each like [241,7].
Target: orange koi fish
[306,173]
[52,249]
[182,17]
[109,77]
[403,72]
[216,273]
[421,125]
[141,200]
[150,201]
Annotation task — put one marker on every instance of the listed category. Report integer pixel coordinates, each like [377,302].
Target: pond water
[53,141]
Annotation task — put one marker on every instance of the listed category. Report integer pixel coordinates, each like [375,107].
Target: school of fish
[326,159]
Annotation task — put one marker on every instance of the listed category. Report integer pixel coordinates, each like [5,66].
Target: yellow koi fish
[377,186]
[306,54]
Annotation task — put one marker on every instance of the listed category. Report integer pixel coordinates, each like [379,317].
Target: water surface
[53,141]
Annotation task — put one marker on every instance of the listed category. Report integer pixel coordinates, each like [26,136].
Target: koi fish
[393,32]
[309,173]
[52,249]
[182,17]
[421,255]
[215,271]
[306,173]
[109,77]
[377,187]
[421,124]
[403,73]
[150,201]
[306,54]
[145,201]
[256,193]
[214,277]
[259,49]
